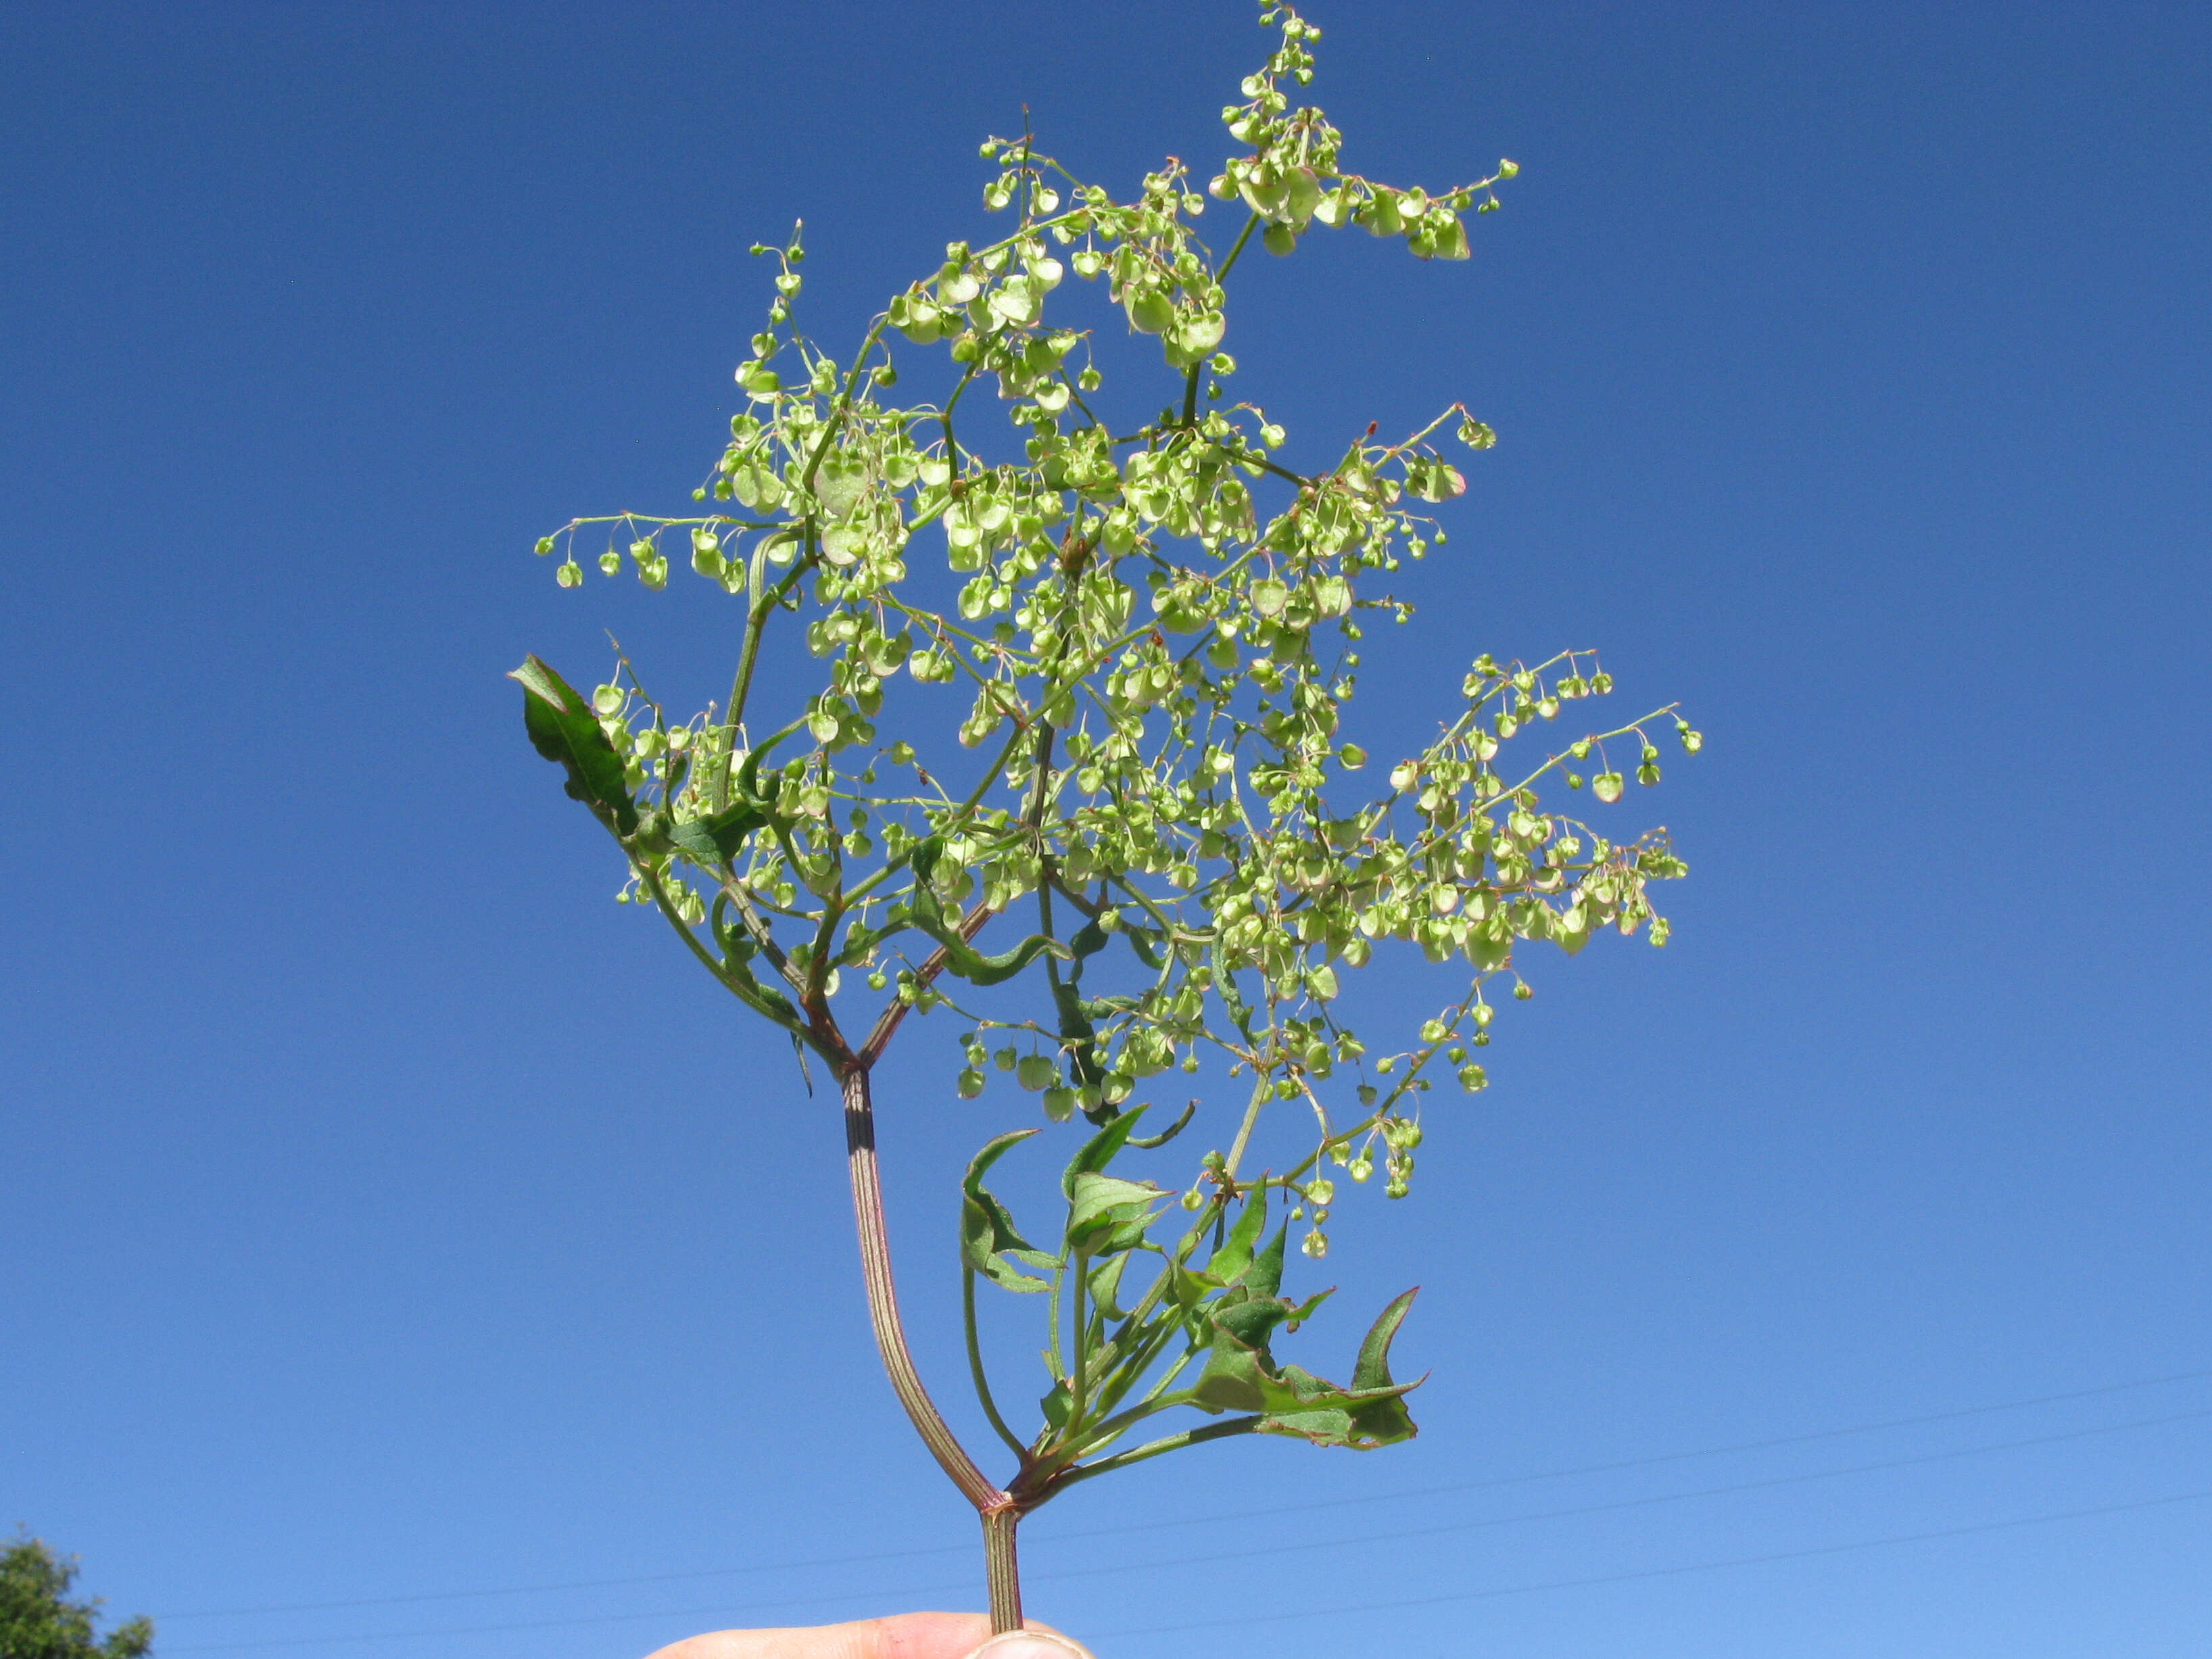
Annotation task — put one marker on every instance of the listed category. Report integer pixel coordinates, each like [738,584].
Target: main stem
[1000,1512]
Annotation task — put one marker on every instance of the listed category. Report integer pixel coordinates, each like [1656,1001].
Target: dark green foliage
[38,1621]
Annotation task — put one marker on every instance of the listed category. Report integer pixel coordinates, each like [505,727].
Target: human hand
[903,1636]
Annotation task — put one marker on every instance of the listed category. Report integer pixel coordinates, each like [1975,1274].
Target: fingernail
[1028,1645]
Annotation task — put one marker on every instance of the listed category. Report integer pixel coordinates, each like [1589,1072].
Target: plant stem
[1000,1511]
[1002,1571]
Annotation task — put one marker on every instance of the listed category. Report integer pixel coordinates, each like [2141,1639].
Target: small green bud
[1522,991]
[544,546]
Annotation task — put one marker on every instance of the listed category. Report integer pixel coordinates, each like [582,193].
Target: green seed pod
[1060,1103]
[1606,786]
[969,1084]
[1035,1071]
[1151,312]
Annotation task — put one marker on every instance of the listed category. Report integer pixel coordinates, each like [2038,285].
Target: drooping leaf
[563,728]
[987,1233]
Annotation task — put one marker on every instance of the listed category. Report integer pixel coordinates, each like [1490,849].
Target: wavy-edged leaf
[563,728]
[987,1233]
[962,959]
[1383,1419]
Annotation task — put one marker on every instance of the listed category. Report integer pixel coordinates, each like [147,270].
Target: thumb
[1031,1644]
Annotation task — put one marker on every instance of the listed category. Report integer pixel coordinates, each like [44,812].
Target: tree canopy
[38,1620]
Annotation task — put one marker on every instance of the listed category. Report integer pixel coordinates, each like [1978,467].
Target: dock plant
[1069,767]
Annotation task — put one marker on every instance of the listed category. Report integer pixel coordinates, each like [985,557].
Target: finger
[1031,1644]
[904,1636]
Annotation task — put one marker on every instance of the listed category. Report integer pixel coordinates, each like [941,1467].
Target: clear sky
[387,1219]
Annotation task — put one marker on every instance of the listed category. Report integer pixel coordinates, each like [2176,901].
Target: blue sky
[391,1219]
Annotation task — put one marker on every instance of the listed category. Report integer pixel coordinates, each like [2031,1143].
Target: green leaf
[1098,1152]
[963,960]
[1229,1263]
[1108,1214]
[1266,1277]
[1106,1286]
[1382,1420]
[987,1233]
[563,728]
[718,837]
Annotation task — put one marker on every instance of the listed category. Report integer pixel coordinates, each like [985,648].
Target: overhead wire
[1063,1575]
[1399,1603]
[1616,1467]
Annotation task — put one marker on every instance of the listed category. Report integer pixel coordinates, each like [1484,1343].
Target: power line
[1399,1602]
[721,1609]
[1244,1514]
[1684,1456]
[1617,1504]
